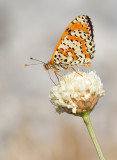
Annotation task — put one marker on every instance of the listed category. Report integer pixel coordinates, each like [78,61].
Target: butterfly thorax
[54,66]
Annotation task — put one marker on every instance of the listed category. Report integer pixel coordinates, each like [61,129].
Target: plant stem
[87,121]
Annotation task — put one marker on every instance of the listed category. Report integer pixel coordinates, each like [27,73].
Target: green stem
[87,121]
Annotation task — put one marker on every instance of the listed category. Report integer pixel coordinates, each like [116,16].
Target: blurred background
[30,128]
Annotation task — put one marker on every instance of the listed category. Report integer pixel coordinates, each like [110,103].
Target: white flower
[77,94]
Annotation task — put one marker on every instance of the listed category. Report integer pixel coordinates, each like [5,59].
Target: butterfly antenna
[39,62]
[36,60]
[31,64]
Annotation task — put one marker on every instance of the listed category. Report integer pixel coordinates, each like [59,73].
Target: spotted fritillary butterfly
[75,47]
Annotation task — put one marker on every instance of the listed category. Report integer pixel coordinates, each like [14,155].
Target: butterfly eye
[46,66]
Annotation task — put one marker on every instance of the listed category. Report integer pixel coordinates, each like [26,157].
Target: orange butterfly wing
[80,23]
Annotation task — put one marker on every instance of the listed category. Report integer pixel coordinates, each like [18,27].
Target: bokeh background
[30,128]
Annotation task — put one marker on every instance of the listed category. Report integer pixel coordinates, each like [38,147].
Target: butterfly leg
[51,78]
[56,73]
[56,76]
[74,70]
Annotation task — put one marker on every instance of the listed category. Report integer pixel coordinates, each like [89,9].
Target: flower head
[77,94]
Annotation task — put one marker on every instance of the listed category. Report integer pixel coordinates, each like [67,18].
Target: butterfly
[75,48]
